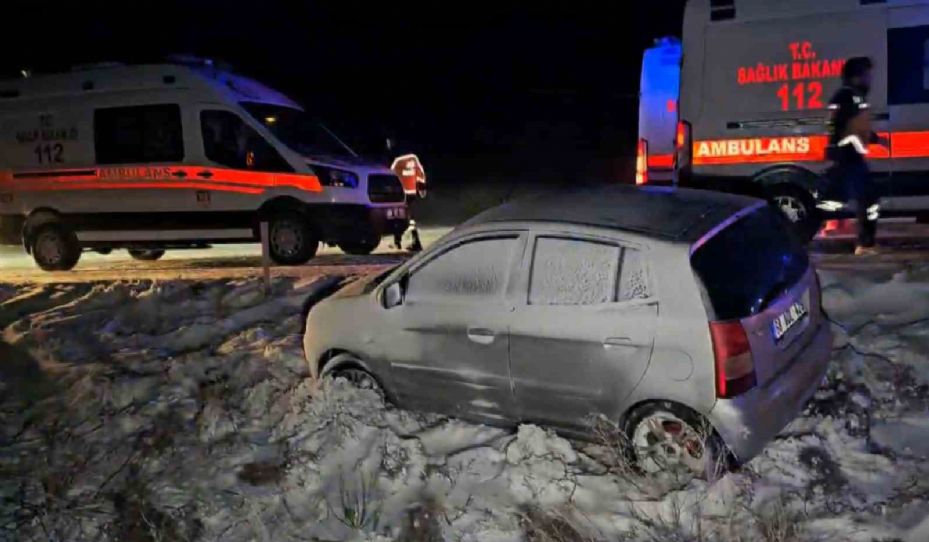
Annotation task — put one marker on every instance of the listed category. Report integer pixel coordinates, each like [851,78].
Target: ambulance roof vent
[189,60]
[95,66]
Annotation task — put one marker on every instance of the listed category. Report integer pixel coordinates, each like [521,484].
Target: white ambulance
[179,155]
[756,77]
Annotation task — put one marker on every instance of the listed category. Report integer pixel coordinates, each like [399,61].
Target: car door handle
[205,174]
[613,342]
[481,335]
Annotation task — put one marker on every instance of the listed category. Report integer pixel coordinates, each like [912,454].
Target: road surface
[222,261]
[905,245]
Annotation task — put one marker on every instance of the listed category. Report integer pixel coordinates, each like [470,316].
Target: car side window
[229,141]
[472,271]
[138,134]
[568,271]
[633,279]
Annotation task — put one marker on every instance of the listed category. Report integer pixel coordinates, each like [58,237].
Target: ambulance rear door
[766,85]
[658,106]
[908,97]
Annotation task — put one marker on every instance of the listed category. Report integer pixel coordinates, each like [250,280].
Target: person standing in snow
[849,137]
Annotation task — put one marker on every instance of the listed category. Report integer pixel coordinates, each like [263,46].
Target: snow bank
[183,411]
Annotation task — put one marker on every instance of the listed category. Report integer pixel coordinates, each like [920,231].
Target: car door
[450,349]
[583,331]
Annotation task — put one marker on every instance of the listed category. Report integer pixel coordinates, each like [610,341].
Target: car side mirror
[393,295]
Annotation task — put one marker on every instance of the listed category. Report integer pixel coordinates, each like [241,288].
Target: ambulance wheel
[360,248]
[798,208]
[291,240]
[55,248]
[146,255]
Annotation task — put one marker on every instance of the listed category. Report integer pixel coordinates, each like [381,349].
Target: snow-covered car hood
[364,285]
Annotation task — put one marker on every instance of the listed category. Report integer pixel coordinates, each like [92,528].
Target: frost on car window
[633,283]
[573,272]
[475,270]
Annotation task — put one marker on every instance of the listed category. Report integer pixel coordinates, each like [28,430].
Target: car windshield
[750,263]
[298,130]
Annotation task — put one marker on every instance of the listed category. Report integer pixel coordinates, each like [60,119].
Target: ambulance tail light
[683,150]
[683,144]
[641,162]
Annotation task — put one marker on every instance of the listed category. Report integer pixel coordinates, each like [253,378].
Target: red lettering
[781,72]
[807,51]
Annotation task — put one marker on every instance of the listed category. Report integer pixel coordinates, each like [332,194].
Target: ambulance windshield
[299,131]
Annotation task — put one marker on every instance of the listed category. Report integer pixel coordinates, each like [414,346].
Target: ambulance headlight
[337,178]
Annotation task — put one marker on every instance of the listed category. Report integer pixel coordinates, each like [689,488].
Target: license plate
[399,212]
[791,317]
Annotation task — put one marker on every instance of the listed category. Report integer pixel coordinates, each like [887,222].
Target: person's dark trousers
[867,222]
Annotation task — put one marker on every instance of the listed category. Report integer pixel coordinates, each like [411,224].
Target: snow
[475,270]
[571,272]
[180,410]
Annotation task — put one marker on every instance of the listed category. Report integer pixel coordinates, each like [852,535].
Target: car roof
[672,214]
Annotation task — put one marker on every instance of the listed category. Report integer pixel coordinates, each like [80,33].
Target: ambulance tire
[54,247]
[291,239]
[146,255]
[798,207]
[360,248]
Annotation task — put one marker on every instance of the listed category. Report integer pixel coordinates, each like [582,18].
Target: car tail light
[735,368]
[682,145]
[641,162]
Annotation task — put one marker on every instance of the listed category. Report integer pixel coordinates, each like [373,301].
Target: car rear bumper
[748,422]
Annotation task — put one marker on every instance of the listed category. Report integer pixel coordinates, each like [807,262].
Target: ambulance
[749,86]
[182,154]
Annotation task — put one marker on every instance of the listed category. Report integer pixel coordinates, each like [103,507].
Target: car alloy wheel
[663,441]
[792,207]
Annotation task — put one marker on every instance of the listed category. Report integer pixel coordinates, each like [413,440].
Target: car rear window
[749,263]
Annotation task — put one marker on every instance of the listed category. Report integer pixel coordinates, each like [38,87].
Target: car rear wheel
[360,248]
[291,240]
[54,247]
[798,207]
[146,255]
[666,438]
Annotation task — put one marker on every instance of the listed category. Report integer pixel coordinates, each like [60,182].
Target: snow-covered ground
[170,411]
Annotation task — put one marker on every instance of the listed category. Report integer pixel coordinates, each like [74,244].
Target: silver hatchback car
[686,317]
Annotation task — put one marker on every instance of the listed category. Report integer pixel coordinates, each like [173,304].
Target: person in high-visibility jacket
[850,135]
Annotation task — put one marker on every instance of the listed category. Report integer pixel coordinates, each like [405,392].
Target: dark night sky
[516,82]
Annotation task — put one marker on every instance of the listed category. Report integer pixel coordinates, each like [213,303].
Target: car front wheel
[347,367]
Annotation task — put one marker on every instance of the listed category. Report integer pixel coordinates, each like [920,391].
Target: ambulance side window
[908,65]
[227,140]
[138,134]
